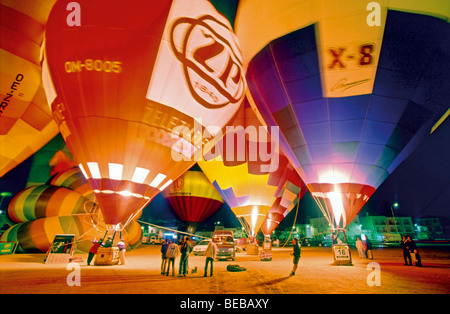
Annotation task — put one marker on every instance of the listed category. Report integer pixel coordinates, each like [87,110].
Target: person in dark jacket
[185,249]
[164,259]
[296,253]
[406,255]
[414,252]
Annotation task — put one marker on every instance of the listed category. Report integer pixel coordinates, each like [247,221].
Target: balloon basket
[252,249]
[107,256]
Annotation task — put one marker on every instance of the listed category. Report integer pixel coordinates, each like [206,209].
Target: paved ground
[26,273]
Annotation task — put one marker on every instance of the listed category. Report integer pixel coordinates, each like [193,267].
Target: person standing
[296,253]
[405,247]
[171,254]
[359,246]
[164,259]
[93,250]
[186,248]
[121,245]
[414,252]
[210,254]
[369,248]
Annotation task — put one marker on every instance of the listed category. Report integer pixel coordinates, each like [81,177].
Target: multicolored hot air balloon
[133,89]
[354,88]
[43,211]
[289,196]
[193,198]
[246,169]
[26,123]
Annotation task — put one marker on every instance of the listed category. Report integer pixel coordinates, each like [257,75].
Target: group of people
[108,243]
[364,248]
[170,251]
[410,252]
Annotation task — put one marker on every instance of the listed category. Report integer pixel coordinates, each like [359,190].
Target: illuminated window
[157,180]
[166,184]
[95,171]
[139,175]
[83,171]
[115,171]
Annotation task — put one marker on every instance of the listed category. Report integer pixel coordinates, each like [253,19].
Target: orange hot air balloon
[193,198]
[133,89]
[26,123]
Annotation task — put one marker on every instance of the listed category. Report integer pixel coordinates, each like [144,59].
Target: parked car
[312,242]
[226,248]
[200,248]
[155,240]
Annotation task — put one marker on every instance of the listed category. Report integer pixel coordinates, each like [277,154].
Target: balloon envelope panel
[26,123]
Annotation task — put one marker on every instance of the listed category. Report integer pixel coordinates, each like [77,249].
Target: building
[431,228]
[376,228]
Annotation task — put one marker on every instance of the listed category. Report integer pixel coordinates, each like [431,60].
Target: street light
[395,205]
[3,195]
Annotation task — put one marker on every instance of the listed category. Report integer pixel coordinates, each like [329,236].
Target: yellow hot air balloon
[26,123]
[246,170]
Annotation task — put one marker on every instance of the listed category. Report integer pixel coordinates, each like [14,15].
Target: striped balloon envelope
[47,201]
[289,196]
[26,123]
[193,198]
[37,235]
[74,180]
[133,89]
[354,87]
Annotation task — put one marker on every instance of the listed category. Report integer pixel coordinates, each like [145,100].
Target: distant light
[395,204]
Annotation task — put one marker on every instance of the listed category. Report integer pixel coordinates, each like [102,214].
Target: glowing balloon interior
[133,89]
[352,100]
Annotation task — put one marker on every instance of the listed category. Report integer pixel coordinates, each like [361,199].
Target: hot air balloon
[135,91]
[289,196]
[353,88]
[193,198]
[42,211]
[26,123]
[246,169]
[37,235]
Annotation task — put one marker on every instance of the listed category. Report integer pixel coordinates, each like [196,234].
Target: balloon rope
[293,226]
[173,230]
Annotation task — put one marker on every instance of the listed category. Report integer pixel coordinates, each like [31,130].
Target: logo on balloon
[178,184]
[211,59]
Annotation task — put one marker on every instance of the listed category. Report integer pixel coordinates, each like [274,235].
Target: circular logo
[178,184]
[211,59]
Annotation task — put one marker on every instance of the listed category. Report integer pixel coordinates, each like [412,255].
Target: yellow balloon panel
[26,123]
